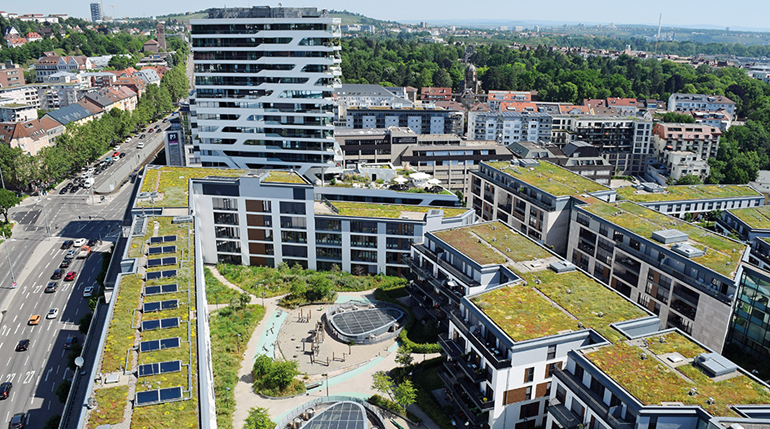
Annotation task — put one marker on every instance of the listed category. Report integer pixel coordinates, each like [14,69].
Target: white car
[88,291]
[79,242]
[116,148]
[52,313]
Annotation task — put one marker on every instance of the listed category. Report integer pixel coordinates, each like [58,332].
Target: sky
[735,13]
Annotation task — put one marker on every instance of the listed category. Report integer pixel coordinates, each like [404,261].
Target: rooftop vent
[563,266]
[669,236]
[528,163]
[715,364]
[182,219]
[685,249]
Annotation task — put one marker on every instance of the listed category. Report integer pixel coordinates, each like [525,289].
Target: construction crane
[113,11]
[657,39]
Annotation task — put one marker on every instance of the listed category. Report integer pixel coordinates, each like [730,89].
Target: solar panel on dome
[169,343]
[147,397]
[169,261]
[153,275]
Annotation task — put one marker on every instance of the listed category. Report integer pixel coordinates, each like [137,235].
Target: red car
[70,276]
[116,154]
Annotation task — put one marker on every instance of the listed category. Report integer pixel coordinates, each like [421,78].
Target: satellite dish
[79,361]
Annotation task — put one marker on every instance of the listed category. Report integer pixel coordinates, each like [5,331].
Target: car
[67,244]
[80,241]
[70,276]
[17,421]
[51,288]
[122,154]
[140,145]
[88,291]
[34,319]
[151,130]
[52,313]
[5,389]
[65,263]
[69,342]
[128,139]
[57,273]
[115,155]
[63,191]
[74,189]
[70,254]
[91,242]
[22,346]
[142,136]
[165,120]
[117,148]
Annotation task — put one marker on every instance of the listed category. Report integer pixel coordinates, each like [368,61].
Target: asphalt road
[35,253]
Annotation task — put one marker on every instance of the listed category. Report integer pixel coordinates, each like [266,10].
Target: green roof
[283,177]
[551,303]
[723,255]
[506,242]
[688,192]
[653,381]
[550,178]
[754,217]
[389,210]
[172,183]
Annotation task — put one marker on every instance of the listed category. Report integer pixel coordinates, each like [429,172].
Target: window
[579,371]
[258,206]
[326,238]
[363,255]
[529,393]
[227,232]
[328,225]
[224,203]
[294,236]
[551,368]
[292,208]
[363,241]
[400,229]
[228,246]
[367,227]
[551,352]
[298,222]
[329,253]
[295,251]
[529,375]
[226,218]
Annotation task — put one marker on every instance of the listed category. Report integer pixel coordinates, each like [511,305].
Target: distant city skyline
[706,13]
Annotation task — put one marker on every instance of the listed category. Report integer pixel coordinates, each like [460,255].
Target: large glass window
[400,229]
[294,236]
[367,227]
[226,218]
[224,203]
[363,255]
[329,253]
[292,208]
[328,225]
[228,246]
[299,222]
[326,238]
[227,232]
[363,241]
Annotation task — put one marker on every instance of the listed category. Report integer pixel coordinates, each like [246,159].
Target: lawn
[225,324]
[284,177]
[675,342]
[551,178]
[509,242]
[110,402]
[688,192]
[172,183]
[216,292]
[462,240]
[391,211]
[121,335]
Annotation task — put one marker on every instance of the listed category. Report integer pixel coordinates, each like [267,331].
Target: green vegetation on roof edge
[689,192]
[550,178]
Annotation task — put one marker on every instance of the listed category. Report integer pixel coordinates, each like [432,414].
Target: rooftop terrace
[552,303]
[550,178]
[274,176]
[754,217]
[492,243]
[688,192]
[656,379]
[391,211]
[723,255]
[171,184]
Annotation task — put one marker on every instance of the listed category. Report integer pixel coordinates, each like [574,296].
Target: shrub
[387,404]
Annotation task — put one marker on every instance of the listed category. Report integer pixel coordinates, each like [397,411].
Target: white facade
[509,127]
[709,103]
[266,101]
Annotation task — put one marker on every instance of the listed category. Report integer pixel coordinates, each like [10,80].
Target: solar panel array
[360,321]
[168,304]
[342,415]
[158,396]
[162,239]
[161,250]
[161,274]
[149,325]
[157,262]
[155,290]
[153,345]
[160,368]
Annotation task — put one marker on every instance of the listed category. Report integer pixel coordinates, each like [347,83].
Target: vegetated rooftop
[171,183]
[655,379]
[392,211]
[723,255]
[688,192]
[754,217]
[550,178]
[551,303]
[274,176]
[492,243]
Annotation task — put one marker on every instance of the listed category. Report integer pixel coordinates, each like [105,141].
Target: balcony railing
[493,356]
[479,399]
[564,416]
[461,399]
[449,347]
[593,401]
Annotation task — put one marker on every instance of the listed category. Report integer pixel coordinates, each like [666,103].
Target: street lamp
[327,383]
[227,397]
[238,342]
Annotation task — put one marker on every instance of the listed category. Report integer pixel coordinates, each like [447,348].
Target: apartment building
[434,94]
[365,95]
[719,119]
[749,329]
[96,12]
[51,63]
[14,112]
[579,157]
[513,311]
[30,136]
[683,149]
[683,273]
[700,102]
[698,200]
[447,157]
[420,120]
[496,97]
[625,142]
[534,197]
[509,127]
[266,101]
[11,75]
[25,94]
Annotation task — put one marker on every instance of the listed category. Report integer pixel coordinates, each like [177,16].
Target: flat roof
[688,192]
[754,217]
[392,211]
[492,243]
[172,183]
[551,303]
[723,255]
[550,178]
[657,379]
[277,176]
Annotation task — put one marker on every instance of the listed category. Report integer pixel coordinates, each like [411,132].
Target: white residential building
[509,127]
[700,102]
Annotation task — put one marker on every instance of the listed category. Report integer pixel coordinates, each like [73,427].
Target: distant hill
[184,17]
[349,18]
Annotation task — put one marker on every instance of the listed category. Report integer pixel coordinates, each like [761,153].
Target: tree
[84,323]
[8,200]
[53,422]
[282,373]
[678,118]
[262,365]
[405,393]
[243,299]
[689,179]
[382,383]
[442,79]
[63,390]
[258,418]
[320,287]
[404,356]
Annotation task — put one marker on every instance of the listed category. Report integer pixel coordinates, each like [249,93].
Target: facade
[579,157]
[700,102]
[718,119]
[365,95]
[420,120]
[57,95]
[698,200]
[684,274]
[434,94]
[51,63]
[10,75]
[534,197]
[683,149]
[278,114]
[748,331]
[96,12]
[22,95]
[30,136]
[509,127]
[160,35]
[12,112]
[496,97]
[625,142]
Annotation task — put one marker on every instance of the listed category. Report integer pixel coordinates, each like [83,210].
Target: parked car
[88,291]
[74,189]
[57,273]
[115,155]
[80,241]
[63,191]
[22,346]
[52,313]
[70,276]
[65,263]
[34,319]
[51,288]
[5,389]
[67,244]
[117,148]
[17,421]
[69,342]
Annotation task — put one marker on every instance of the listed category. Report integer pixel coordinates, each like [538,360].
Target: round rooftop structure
[342,415]
[364,323]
